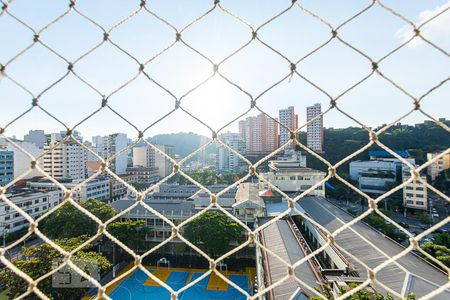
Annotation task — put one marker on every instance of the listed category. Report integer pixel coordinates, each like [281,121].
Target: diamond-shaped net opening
[272,211]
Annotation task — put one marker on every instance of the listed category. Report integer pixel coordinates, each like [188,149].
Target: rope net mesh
[293,69]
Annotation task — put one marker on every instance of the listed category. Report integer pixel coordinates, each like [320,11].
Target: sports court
[139,286]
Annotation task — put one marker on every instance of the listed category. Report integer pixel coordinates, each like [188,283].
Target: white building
[441,164]
[22,161]
[227,160]
[288,118]
[291,177]
[37,137]
[415,193]
[34,203]
[66,160]
[144,156]
[161,162]
[98,188]
[314,130]
[376,182]
[109,145]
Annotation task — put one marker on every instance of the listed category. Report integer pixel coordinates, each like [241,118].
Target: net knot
[177,36]
[104,102]
[416,32]
[373,136]
[416,105]
[293,67]
[69,132]
[332,171]
[141,67]
[34,102]
[143,2]
[5,7]
[70,66]
[177,104]
[105,36]
[334,33]
[254,35]
[2,130]
[140,135]
[215,68]
[216,2]
[214,135]
[33,164]
[2,68]
[36,38]
[374,66]
[333,103]
[72,3]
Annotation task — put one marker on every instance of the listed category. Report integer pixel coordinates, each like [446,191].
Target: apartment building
[6,167]
[440,165]
[227,160]
[288,118]
[109,145]
[64,161]
[33,202]
[260,134]
[164,165]
[415,193]
[314,130]
[143,156]
[22,161]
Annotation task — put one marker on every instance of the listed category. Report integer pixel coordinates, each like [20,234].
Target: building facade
[288,118]
[164,165]
[143,156]
[314,130]
[6,167]
[34,203]
[291,177]
[108,146]
[143,174]
[440,165]
[36,137]
[415,193]
[227,160]
[64,161]
[260,134]
[22,161]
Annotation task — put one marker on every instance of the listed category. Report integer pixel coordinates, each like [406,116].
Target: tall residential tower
[314,130]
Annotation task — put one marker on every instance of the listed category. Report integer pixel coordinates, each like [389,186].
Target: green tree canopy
[213,232]
[68,221]
[37,261]
[130,232]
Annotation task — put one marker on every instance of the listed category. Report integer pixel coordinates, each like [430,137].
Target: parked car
[403,224]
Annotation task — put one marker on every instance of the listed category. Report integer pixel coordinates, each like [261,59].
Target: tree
[131,232]
[213,232]
[425,219]
[442,239]
[440,252]
[38,260]
[68,221]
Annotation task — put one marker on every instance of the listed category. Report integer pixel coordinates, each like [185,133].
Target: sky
[416,67]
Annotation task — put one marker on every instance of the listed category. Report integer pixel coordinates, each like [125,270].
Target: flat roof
[160,205]
[408,274]
[278,237]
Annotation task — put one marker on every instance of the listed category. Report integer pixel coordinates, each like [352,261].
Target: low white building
[415,193]
[249,205]
[441,164]
[98,188]
[33,202]
[376,182]
[291,177]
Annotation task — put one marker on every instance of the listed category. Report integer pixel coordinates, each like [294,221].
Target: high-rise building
[36,137]
[108,146]
[441,164]
[260,134]
[227,160]
[288,118]
[143,156]
[161,162]
[314,130]
[66,160]
[6,167]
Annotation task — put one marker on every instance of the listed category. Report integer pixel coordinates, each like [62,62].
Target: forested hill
[418,140]
[184,142]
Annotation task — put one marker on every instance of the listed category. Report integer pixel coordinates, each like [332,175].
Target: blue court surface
[133,288]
